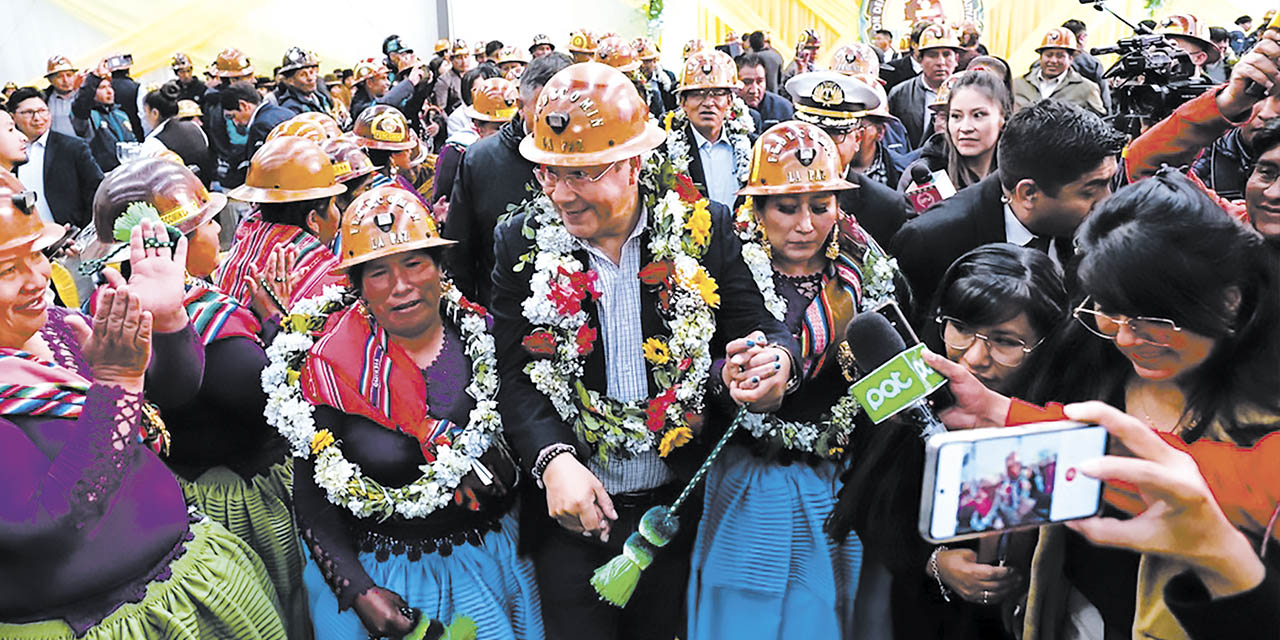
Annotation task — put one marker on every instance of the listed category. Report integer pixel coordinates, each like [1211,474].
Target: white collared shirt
[1048,85]
[718,167]
[32,175]
[1017,233]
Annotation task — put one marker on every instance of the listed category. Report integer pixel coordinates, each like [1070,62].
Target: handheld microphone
[895,380]
[929,188]
[1252,88]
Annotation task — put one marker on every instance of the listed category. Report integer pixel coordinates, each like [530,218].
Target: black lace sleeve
[326,530]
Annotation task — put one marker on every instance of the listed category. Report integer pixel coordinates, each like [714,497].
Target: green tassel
[462,628]
[617,579]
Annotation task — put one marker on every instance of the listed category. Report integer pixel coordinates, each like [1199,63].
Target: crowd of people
[516,343]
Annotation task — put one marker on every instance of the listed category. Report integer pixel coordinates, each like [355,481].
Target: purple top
[336,537]
[88,515]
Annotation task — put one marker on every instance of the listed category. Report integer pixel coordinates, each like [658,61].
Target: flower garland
[343,482]
[827,437]
[679,234]
[738,127]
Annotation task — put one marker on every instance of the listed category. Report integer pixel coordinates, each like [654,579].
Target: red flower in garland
[686,363]
[540,343]
[586,339]
[685,188]
[656,415]
[472,307]
[568,297]
[656,273]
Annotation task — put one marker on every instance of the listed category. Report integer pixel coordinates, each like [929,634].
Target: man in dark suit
[837,103]
[590,170]
[1035,199]
[58,168]
[246,107]
[768,107]
[907,65]
[492,179]
[936,53]
[707,144]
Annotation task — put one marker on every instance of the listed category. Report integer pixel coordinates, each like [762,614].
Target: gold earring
[833,247]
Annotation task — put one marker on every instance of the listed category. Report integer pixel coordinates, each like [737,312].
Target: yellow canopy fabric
[1012,28]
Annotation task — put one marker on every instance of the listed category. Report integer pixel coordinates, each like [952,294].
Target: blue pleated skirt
[489,584]
[762,567]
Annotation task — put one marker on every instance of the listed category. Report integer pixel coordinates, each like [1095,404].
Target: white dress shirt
[1048,85]
[32,175]
[718,167]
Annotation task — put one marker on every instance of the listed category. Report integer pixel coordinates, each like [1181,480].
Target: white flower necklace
[343,482]
[679,233]
[738,127]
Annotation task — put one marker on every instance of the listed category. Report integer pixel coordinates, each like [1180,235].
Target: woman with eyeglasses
[1176,324]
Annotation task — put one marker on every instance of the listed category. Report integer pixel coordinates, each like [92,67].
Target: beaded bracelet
[933,568]
[544,460]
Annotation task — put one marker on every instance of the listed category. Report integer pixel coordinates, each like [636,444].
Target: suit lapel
[593,369]
[696,173]
[650,322]
[991,220]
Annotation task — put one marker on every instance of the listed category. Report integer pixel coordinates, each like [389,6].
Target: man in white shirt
[59,168]
[910,100]
[713,148]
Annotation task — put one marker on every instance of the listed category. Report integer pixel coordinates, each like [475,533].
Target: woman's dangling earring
[833,247]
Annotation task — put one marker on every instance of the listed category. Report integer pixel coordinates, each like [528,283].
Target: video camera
[1156,76]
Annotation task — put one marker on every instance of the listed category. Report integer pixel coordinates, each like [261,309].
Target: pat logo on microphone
[895,384]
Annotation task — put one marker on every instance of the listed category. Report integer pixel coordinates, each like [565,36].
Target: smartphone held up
[982,481]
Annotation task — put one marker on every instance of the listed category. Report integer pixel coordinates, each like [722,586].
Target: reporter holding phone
[1188,299]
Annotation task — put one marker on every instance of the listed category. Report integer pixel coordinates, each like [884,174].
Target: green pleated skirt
[259,511]
[218,589]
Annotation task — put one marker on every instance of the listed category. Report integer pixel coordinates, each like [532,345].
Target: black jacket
[532,423]
[106,125]
[877,208]
[897,72]
[492,180]
[772,110]
[927,244]
[188,141]
[227,153]
[126,90]
[1225,166]
[193,89]
[264,120]
[70,179]
[299,102]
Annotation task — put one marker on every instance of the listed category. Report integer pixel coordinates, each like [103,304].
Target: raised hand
[158,273]
[118,347]
[271,289]
[976,405]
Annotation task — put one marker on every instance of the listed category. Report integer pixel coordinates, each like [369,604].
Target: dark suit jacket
[897,72]
[126,90]
[531,422]
[772,110]
[926,245]
[907,101]
[877,208]
[188,141]
[492,179]
[70,179]
[264,120]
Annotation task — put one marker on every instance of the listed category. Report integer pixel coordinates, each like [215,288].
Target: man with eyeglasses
[60,169]
[710,135]
[838,103]
[576,256]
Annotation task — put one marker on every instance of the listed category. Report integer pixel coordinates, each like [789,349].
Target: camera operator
[1243,118]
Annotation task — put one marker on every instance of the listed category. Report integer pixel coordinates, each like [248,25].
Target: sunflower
[676,437]
[321,441]
[656,351]
[700,223]
[707,287]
